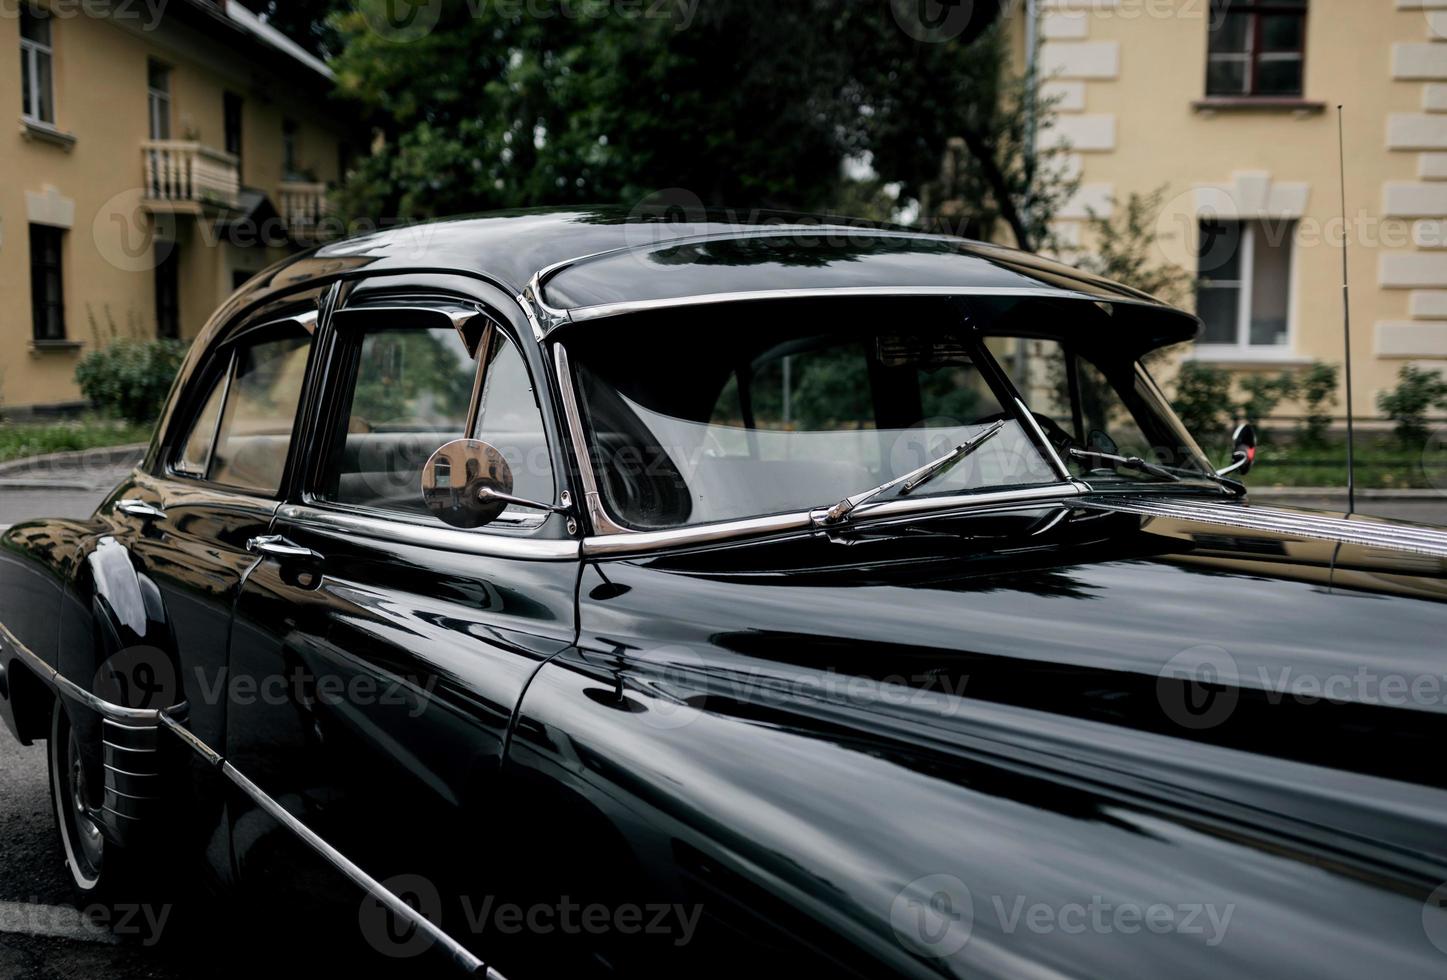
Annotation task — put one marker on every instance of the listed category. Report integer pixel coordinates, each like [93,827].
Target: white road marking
[53,921]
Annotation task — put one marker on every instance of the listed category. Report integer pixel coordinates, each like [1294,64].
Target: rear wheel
[103,874]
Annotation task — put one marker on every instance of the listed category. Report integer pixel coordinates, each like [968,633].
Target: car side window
[242,434]
[511,420]
[410,393]
[411,390]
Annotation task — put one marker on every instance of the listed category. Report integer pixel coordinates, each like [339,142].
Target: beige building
[163,153]
[1232,105]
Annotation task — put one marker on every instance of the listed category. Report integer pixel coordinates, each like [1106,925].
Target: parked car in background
[605,597]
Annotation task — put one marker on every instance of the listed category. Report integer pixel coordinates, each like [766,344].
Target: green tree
[304,21]
[735,102]
[1123,247]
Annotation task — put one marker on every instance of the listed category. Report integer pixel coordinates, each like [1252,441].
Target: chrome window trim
[539,332]
[610,537]
[634,542]
[592,499]
[1043,442]
[606,310]
[435,538]
[461,313]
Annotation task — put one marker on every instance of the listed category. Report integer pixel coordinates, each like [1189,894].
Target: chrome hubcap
[88,836]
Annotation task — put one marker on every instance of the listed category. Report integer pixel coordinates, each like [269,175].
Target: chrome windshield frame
[608,536]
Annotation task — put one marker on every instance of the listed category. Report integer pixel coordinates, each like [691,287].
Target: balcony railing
[184,175]
[304,206]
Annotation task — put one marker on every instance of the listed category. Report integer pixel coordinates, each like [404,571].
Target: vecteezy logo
[1434,917]
[933,916]
[400,21]
[390,934]
[129,236]
[138,677]
[933,21]
[1198,688]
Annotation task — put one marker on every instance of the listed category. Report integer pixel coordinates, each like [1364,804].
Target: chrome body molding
[707,299]
[125,724]
[65,686]
[491,545]
[459,953]
[1366,533]
[905,508]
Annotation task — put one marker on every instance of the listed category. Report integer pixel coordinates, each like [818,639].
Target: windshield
[699,415]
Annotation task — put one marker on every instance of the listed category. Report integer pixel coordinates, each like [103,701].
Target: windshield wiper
[1155,469]
[910,482]
[1129,462]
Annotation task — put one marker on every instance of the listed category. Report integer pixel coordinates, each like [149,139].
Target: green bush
[1317,389]
[1263,394]
[1407,404]
[1203,400]
[130,379]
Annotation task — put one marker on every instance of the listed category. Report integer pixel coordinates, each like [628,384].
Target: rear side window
[242,433]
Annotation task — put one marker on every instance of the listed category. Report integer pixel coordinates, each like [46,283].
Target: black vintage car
[584,595]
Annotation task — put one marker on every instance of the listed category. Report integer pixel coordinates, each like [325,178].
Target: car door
[213,488]
[390,650]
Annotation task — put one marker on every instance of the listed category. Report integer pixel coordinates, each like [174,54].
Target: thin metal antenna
[1346,311]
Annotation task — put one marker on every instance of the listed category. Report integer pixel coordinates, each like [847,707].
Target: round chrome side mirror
[1243,452]
[466,483]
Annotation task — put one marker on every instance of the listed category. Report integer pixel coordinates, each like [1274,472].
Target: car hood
[1059,722]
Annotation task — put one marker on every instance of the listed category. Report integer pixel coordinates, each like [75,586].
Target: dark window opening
[231,105]
[1257,48]
[47,297]
[288,149]
[168,289]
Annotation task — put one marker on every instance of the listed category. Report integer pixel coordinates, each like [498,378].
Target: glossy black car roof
[593,261]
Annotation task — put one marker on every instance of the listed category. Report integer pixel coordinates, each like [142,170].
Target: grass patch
[19,440]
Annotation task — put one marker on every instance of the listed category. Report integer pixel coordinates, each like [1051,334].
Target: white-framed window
[158,99]
[1243,284]
[37,59]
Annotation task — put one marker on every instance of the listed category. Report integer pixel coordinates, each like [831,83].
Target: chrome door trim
[635,542]
[480,543]
[461,956]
